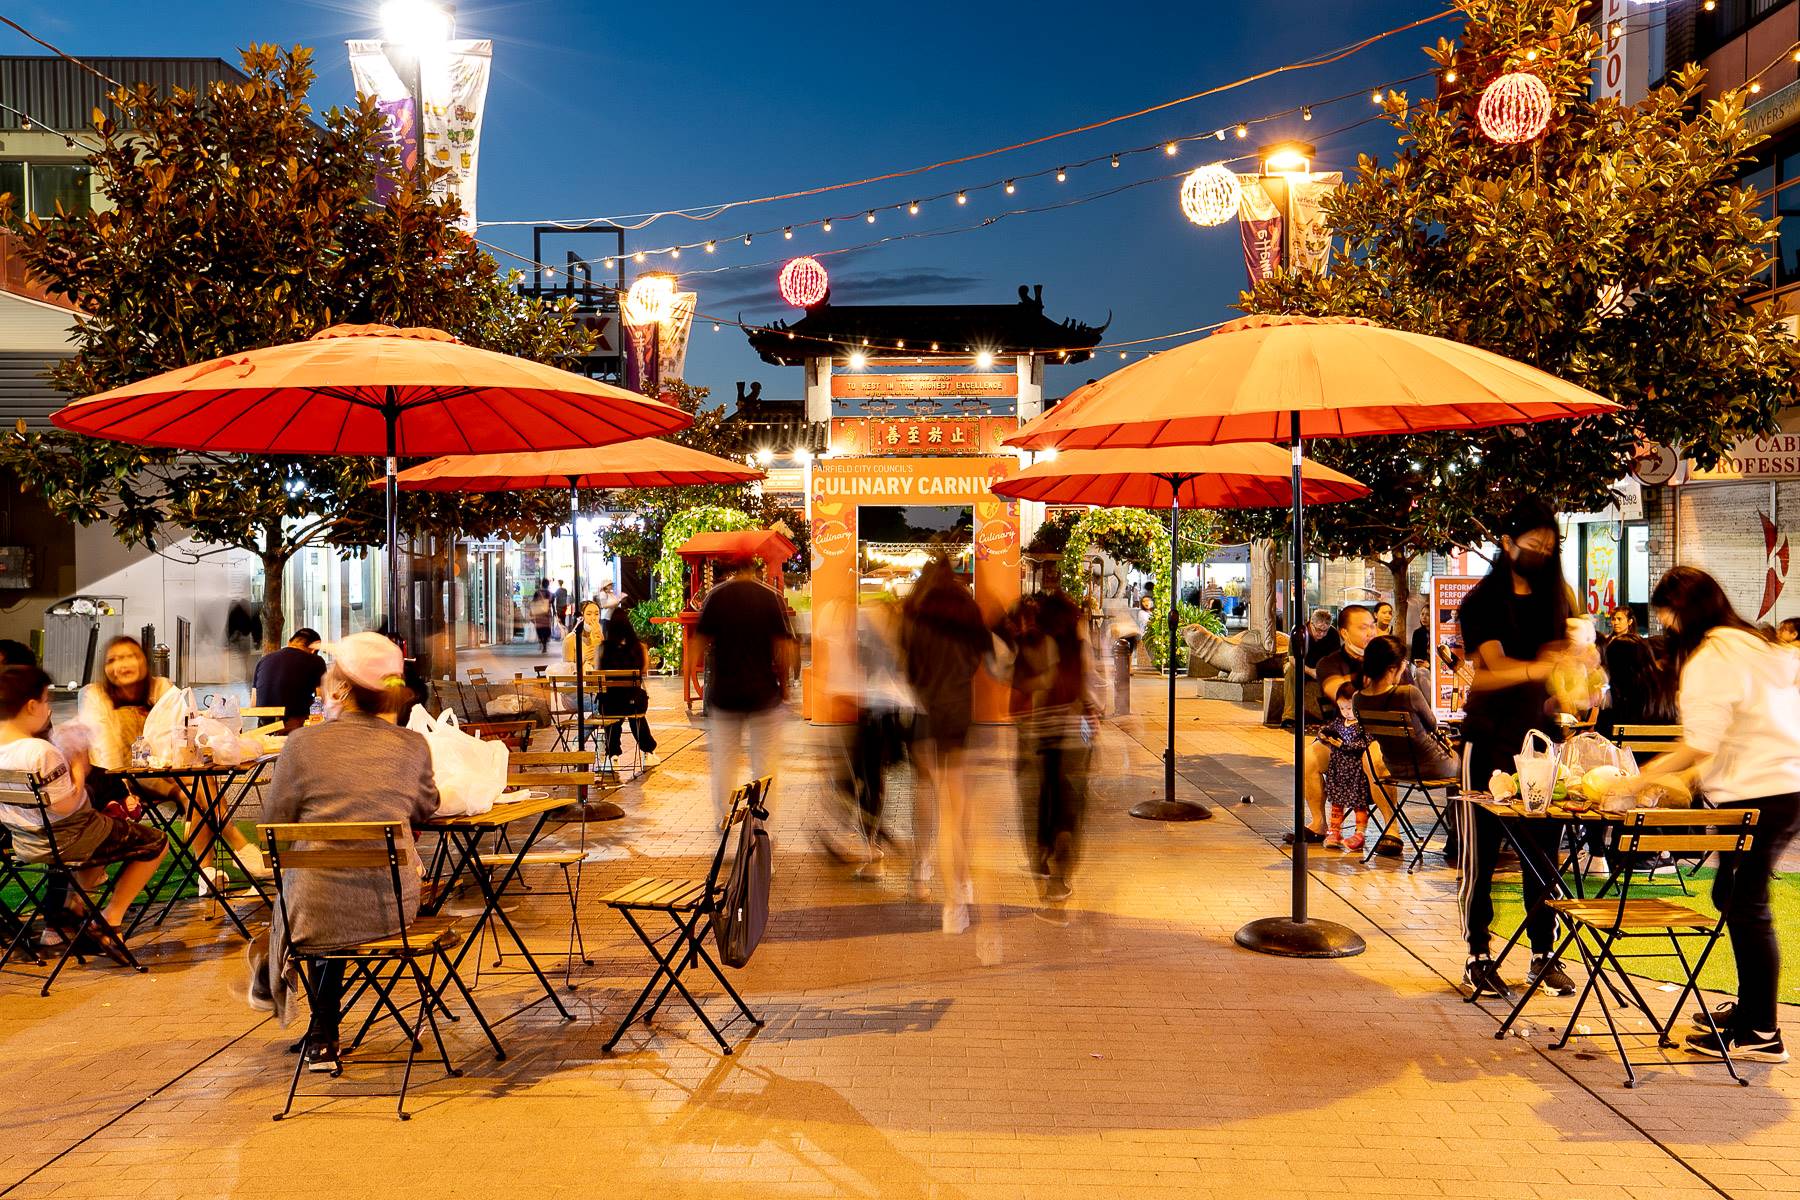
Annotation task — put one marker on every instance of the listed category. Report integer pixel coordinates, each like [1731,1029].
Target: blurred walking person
[744,639]
[943,640]
[870,677]
[1053,706]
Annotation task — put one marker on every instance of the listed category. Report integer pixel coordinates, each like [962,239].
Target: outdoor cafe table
[1555,869]
[463,836]
[212,793]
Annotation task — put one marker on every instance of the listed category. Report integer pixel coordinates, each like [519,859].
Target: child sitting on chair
[1346,785]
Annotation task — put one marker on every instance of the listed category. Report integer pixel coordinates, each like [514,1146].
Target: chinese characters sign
[929,436]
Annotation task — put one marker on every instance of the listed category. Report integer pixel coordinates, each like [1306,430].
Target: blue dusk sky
[604,110]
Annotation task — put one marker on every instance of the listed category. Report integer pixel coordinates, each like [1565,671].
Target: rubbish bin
[74,630]
[1123,649]
[159,661]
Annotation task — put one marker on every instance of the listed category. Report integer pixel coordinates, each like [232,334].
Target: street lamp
[1287,161]
[411,29]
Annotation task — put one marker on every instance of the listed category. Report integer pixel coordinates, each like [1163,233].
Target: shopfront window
[39,188]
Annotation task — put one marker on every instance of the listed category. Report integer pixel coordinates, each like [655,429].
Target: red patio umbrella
[370,390]
[1249,475]
[1289,378]
[643,463]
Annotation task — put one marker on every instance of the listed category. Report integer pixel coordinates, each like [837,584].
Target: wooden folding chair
[1399,772]
[375,967]
[1600,928]
[16,918]
[1645,742]
[690,906]
[613,687]
[23,793]
[516,734]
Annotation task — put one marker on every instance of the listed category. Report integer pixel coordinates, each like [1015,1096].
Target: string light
[638,257]
[675,252]
[1062,176]
[984,359]
[1306,112]
[717,327]
[803,281]
[857,361]
[1514,108]
[870,216]
[788,233]
[1450,75]
[1009,187]
[746,239]
[1375,95]
[962,197]
[710,247]
[1755,86]
[1531,56]
[913,208]
[1210,195]
[1169,149]
[827,225]
[1218,135]
[1243,131]
[1115,162]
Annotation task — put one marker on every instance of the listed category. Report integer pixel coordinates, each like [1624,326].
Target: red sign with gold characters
[918,386]
[930,436]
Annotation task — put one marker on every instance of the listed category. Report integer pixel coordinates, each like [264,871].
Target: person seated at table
[590,631]
[623,651]
[113,712]
[358,765]
[290,677]
[83,834]
[1641,690]
[1423,754]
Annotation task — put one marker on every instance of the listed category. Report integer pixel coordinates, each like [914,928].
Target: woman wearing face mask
[1740,714]
[356,766]
[1514,624]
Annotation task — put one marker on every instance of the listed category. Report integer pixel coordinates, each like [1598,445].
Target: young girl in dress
[1346,785]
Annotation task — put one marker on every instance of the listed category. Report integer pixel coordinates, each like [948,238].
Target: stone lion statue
[1238,658]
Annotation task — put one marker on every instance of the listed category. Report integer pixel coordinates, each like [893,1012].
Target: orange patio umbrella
[1251,475]
[370,390]
[1286,379]
[643,463]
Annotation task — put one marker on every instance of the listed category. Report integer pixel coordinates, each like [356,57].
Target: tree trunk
[1400,568]
[274,557]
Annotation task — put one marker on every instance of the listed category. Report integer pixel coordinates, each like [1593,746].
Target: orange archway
[924,461]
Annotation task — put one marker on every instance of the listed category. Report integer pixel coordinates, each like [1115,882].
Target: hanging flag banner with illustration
[1259,222]
[672,343]
[454,80]
[1306,207]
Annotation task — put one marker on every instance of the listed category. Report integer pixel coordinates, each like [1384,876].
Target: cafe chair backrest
[1647,739]
[335,845]
[1686,830]
[25,791]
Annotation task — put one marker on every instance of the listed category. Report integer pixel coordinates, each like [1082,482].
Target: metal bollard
[1122,652]
[159,661]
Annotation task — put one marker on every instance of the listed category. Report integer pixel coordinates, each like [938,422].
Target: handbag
[743,911]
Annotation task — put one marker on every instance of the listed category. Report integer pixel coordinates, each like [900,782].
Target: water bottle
[140,754]
[317,713]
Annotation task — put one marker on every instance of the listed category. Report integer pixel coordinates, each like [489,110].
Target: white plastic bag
[470,773]
[166,727]
[1537,770]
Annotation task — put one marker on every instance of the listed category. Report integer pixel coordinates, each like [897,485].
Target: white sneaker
[211,883]
[956,918]
[653,759]
[251,856]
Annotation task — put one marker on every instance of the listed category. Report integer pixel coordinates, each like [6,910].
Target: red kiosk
[703,553]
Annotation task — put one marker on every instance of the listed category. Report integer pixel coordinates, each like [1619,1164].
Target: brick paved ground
[1131,1051]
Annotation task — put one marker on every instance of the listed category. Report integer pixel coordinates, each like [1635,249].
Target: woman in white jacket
[1740,713]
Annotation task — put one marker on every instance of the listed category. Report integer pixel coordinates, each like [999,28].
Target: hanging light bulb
[716,327]
[606,264]
[1062,175]
[675,252]
[710,247]
[1115,162]
[1616,29]
[870,218]
[1306,112]
[984,359]
[962,197]
[913,208]
[1218,135]
[1121,356]
[1169,149]
[638,257]
[1375,96]
[1009,187]
[788,233]
[1755,87]
[827,225]
[1450,75]
[1531,56]
[746,239]
[857,361]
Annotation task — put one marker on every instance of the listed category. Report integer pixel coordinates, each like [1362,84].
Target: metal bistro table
[1558,872]
[463,836]
[214,793]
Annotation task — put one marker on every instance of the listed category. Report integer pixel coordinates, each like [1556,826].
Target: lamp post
[410,29]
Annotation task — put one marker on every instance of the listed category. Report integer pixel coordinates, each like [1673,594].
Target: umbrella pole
[392,413]
[580,660]
[1298,935]
[1168,808]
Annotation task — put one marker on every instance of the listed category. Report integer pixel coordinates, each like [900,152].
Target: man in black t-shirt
[745,641]
[290,677]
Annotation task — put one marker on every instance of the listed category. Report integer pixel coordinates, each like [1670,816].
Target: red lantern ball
[1514,108]
[803,281]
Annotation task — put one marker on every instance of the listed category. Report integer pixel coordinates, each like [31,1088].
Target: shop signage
[871,481]
[924,436]
[1774,112]
[1774,457]
[1449,681]
[1654,464]
[923,386]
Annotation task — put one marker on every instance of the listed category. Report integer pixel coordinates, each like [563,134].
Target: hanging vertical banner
[1260,224]
[454,80]
[642,356]
[672,339]
[1306,205]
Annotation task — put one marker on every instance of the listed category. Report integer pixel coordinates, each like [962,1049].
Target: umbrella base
[591,810]
[1171,810]
[1289,938]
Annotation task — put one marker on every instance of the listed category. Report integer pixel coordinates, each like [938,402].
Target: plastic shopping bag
[166,728]
[1537,763]
[470,773]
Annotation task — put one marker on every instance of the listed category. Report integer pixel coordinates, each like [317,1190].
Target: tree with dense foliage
[237,221]
[1615,250]
[1139,538]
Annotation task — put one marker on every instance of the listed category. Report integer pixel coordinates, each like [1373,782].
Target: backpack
[743,908]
